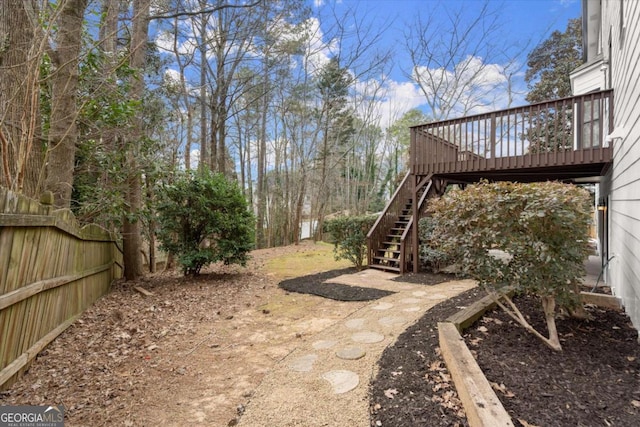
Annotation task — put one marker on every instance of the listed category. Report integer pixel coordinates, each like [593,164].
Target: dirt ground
[193,352]
[190,354]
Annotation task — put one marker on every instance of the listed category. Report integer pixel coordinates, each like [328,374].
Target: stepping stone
[436,296]
[303,363]
[350,353]
[419,293]
[382,306]
[410,300]
[412,309]
[354,323]
[323,344]
[367,337]
[391,320]
[342,381]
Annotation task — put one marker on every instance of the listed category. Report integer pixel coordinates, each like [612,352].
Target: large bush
[349,234]
[204,218]
[431,257]
[533,237]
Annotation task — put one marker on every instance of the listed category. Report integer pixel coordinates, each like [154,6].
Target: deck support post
[414,231]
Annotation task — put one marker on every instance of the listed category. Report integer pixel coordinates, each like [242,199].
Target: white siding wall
[624,178]
[589,79]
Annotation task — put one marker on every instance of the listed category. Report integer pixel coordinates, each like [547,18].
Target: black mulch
[425,278]
[594,381]
[314,284]
[410,388]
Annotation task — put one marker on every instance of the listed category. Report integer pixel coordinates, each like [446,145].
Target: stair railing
[406,240]
[388,217]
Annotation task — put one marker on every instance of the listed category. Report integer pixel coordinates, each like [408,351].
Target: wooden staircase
[390,240]
[388,256]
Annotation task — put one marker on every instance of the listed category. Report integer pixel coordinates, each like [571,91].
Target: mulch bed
[412,386]
[594,381]
[425,278]
[314,284]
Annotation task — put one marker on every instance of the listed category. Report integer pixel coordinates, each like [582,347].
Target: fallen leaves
[502,389]
[442,386]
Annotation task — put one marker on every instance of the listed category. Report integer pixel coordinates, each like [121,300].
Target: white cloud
[186,46]
[471,87]
[389,99]
[318,52]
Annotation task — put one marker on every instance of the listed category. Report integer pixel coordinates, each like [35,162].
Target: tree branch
[184,13]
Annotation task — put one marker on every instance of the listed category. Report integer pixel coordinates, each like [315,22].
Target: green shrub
[533,237]
[204,218]
[349,235]
[431,257]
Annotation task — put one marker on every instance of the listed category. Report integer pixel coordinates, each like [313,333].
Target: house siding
[589,80]
[622,186]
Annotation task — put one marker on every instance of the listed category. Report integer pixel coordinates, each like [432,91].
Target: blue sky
[524,24]
[383,94]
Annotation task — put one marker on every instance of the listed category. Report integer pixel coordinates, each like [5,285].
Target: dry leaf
[436,365]
[475,341]
[483,329]
[390,392]
[526,424]
[635,403]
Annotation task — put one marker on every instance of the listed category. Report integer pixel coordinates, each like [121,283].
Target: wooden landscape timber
[51,270]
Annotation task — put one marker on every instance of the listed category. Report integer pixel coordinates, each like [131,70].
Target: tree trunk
[63,133]
[20,58]
[549,307]
[204,157]
[131,229]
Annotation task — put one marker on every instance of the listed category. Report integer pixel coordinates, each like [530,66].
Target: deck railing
[569,131]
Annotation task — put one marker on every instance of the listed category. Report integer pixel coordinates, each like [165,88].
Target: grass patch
[309,260]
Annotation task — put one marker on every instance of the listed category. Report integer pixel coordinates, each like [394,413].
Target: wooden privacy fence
[51,270]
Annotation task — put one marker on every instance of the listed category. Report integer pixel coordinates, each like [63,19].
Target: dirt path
[190,354]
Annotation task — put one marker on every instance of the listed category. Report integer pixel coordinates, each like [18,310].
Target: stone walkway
[325,381]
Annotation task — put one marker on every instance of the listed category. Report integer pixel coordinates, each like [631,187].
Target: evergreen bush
[349,236]
[204,218]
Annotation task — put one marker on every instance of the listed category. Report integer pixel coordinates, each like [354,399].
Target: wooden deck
[562,139]
[557,140]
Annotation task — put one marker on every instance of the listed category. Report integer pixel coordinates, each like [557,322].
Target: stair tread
[384,267]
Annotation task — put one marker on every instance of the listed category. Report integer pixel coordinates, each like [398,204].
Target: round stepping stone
[367,337]
[303,363]
[342,381]
[382,306]
[350,353]
[354,323]
[411,309]
[323,344]
[410,300]
[391,320]
[419,293]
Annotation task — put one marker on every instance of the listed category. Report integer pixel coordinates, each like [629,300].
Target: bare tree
[457,58]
